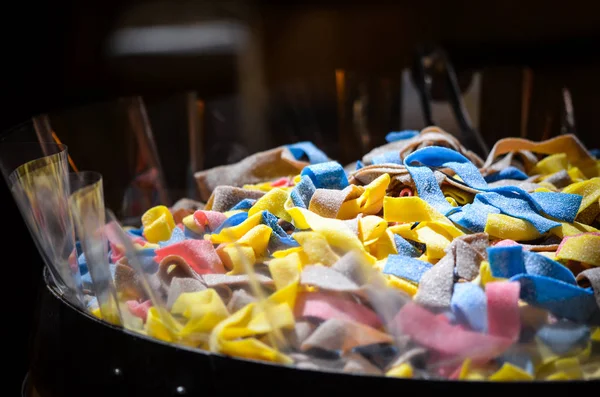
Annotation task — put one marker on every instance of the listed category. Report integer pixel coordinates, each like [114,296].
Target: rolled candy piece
[591,278]
[259,167]
[225,198]
[328,175]
[200,255]
[302,150]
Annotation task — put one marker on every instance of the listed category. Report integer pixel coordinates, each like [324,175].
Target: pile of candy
[422,261]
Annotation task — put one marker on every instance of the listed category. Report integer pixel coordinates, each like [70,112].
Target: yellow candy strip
[225,336]
[401,371]
[401,284]
[234,233]
[286,276]
[583,248]
[316,248]
[551,164]
[371,228]
[158,224]
[596,335]
[157,327]
[273,202]
[335,231]
[409,209]
[590,190]
[509,372]
[191,224]
[204,309]
[371,200]
[506,227]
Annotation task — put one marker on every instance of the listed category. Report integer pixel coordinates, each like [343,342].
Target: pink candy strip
[139,309]
[324,306]
[430,331]
[199,254]
[503,309]
[212,219]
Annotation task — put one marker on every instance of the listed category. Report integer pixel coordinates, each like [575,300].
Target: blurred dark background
[274,77]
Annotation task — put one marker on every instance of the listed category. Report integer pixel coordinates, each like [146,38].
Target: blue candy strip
[233,220]
[473,217]
[510,200]
[392,157]
[406,267]
[435,156]
[507,173]
[563,336]
[506,262]
[245,204]
[395,136]
[428,188]
[469,305]
[177,236]
[359,165]
[303,192]
[279,238]
[543,266]
[405,248]
[517,206]
[82,263]
[562,206]
[136,232]
[595,153]
[559,298]
[309,150]
[146,257]
[328,175]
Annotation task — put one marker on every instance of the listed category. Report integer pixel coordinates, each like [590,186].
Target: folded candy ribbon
[584,248]
[307,149]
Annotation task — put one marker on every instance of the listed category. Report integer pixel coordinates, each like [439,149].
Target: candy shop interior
[328,195]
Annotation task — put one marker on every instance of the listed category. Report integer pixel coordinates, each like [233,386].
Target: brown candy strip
[175,266]
[437,284]
[468,251]
[568,144]
[259,167]
[215,280]
[342,335]
[223,198]
[129,284]
[327,202]
[327,278]
[559,179]
[239,299]
[591,277]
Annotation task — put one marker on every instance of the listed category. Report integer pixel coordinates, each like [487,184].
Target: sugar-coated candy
[419,260]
